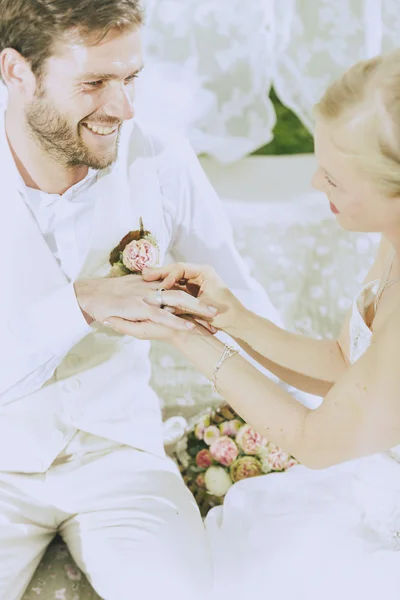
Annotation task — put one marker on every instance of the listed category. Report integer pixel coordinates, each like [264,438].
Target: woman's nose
[317,181]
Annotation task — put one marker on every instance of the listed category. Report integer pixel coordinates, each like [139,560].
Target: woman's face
[354,198]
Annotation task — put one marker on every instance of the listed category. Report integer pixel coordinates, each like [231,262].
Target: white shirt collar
[70,194]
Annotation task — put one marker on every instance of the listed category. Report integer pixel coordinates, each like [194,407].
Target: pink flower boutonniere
[137,250]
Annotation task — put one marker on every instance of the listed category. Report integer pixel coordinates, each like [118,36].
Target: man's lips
[101,129]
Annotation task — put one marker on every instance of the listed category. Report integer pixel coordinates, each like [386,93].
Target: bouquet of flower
[136,250]
[220,449]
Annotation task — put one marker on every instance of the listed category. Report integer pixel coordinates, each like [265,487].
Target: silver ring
[159,298]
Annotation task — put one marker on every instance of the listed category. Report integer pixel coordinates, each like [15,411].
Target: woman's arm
[360,415]
[305,363]
[308,364]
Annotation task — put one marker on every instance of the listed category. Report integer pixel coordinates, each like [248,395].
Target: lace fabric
[228,54]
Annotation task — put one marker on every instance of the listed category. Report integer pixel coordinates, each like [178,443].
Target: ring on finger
[159,297]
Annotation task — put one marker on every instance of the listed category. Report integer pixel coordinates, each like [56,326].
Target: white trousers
[129,522]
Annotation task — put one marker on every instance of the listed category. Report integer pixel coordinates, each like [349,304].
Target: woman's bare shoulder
[377,270]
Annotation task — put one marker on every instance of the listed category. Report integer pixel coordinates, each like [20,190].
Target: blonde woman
[330,528]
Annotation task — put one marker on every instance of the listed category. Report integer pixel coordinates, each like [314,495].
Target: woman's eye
[330,181]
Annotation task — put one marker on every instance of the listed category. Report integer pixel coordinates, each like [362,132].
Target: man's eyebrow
[107,76]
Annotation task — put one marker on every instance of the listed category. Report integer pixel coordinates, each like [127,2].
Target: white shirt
[64,221]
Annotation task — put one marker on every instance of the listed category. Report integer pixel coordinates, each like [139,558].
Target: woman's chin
[352,225]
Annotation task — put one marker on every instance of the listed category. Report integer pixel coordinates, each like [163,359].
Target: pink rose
[140,254]
[224,450]
[201,480]
[204,459]
[211,434]
[278,460]
[249,440]
[230,427]
[245,467]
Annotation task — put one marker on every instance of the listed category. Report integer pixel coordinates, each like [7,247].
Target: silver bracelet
[228,352]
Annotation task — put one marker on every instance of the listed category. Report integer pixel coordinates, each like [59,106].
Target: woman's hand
[131,299]
[203,283]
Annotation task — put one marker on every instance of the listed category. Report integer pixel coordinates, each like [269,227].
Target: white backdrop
[211,63]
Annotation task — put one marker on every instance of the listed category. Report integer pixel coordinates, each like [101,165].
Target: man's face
[84,96]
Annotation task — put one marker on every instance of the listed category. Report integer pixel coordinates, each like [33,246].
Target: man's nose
[119,104]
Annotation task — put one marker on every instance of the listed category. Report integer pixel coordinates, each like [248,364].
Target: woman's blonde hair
[368,95]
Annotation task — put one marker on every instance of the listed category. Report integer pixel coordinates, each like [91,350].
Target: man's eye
[100,82]
[94,83]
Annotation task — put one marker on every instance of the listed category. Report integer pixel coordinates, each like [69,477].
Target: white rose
[181,453]
[263,455]
[211,434]
[217,481]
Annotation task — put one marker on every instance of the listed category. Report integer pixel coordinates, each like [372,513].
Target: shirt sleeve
[34,344]
[200,230]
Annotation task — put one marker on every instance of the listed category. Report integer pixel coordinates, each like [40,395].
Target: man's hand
[147,330]
[130,298]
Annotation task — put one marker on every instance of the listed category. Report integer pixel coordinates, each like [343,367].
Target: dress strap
[385,282]
[391,282]
[386,279]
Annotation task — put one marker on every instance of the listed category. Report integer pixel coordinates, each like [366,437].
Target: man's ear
[16,72]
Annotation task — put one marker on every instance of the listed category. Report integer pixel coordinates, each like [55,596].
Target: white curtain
[208,72]
[211,63]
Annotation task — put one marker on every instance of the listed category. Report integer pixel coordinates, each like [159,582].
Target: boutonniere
[137,250]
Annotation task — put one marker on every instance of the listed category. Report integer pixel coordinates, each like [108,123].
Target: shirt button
[73,361]
[71,386]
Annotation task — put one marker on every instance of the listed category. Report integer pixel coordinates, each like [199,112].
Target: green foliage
[290,135]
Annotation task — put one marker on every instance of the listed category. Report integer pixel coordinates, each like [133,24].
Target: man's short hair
[33,26]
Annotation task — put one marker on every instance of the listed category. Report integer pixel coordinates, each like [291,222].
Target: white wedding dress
[314,535]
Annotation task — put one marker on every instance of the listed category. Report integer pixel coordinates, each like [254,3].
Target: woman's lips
[333,208]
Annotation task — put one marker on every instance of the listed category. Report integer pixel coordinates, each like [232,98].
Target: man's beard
[61,140]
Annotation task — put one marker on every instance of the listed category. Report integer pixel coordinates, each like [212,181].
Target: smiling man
[74,101]
[81,444]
